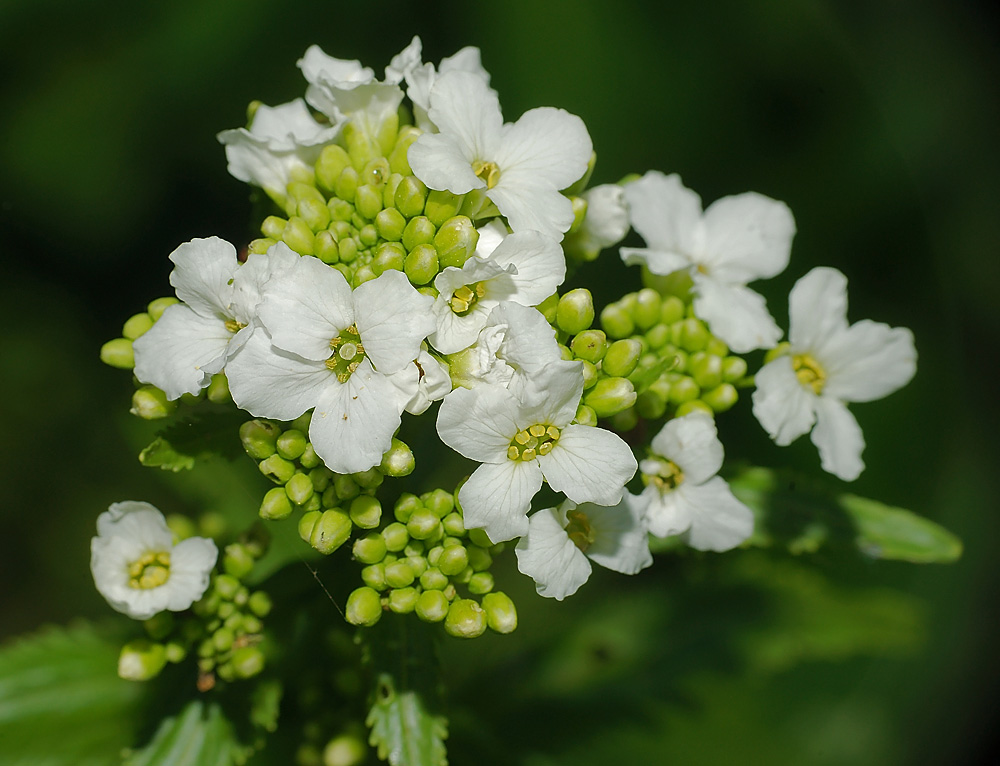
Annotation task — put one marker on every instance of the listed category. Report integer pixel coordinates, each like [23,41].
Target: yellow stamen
[535,440]
[809,372]
[488,171]
[150,571]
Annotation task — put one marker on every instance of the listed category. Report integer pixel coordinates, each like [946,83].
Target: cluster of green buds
[363,212]
[224,628]
[423,562]
[675,363]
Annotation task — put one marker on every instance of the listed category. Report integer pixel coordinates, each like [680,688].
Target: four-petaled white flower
[559,542]
[826,364]
[137,567]
[521,167]
[683,495]
[737,240]
[520,441]
[420,79]
[323,345]
[192,340]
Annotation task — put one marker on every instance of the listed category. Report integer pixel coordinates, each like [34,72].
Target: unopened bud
[291,444]
[453,560]
[432,606]
[733,368]
[118,353]
[610,396]
[616,321]
[721,398]
[480,583]
[398,461]
[277,469]
[706,369]
[298,236]
[694,405]
[647,308]
[260,438]
[590,345]
[156,307]
[314,213]
[683,389]
[442,205]
[455,241]
[141,660]
[247,661]
[347,185]
[465,619]
[369,479]
[366,511]
[406,506]
[389,256]
[276,505]
[411,194]
[575,311]
[150,403]
[331,163]
[694,336]
[328,531]
[369,549]
[501,615]
[403,600]
[423,524]
[237,560]
[299,489]
[364,607]
[368,201]
[419,231]
[325,247]
[549,307]
[585,416]
[433,579]
[421,264]
[397,158]
[136,325]
[396,536]
[622,358]
[390,224]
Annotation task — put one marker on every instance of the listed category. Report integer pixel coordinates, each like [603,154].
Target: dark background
[877,123]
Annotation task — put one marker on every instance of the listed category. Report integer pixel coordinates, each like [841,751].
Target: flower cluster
[415,253]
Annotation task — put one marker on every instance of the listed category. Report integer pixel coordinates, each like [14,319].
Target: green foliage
[161,454]
[208,432]
[200,734]
[61,702]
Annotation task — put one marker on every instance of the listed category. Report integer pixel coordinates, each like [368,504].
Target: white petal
[692,442]
[138,522]
[736,314]
[433,383]
[191,564]
[479,423]
[181,351]
[353,423]
[532,205]
[838,438]
[868,361]
[463,106]
[539,263]
[589,464]
[404,62]
[306,307]
[548,556]
[657,261]
[253,277]
[546,145]
[454,333]
[551,395]
[203,275]
[783,406]
[289,125]
[393,319]
[665,213]
[270,383]
[668,513]
[621,542]
[497,496]
[747,237]
[441,162]
[719,521]
[254,161]
[520,336]
[606,222]
[817,309]
[317,65]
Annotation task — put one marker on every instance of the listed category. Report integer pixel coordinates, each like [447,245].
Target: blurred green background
[877,123]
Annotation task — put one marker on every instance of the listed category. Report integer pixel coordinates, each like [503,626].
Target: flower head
[138,568]
[825,365]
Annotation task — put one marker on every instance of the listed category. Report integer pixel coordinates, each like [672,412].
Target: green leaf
[199,734]
[804,518]
[162,454]
[61,700]
[210,430]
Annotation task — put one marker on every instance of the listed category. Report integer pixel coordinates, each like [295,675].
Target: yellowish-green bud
[150,403]
[273,227]
[575,311]
[331,163]
[419,231]
[399,574]
[277,469]
[347,184]
[300,489]
[501,615]
[291,444]
[694,405]
[136,325]
[411,194]
[366,511]
[455,241]
[422,524]
[694,336]
[733,368]
[585,416]
[432,605]
[369,549]
[259,438]
[610,396]
[396,537]
[247,661]
[141,660]
[315,213]
[721,398]
[658,336]
[389,256]
[671,309]
[373,576]
[442,205]
[156,308]
[439,502]
[647,309]
[465,619]
[118,353]
[403,600]
[590,375]
[622,358]
[453,560]
[421,264]
[298,236]
[347,249]
[329,531]
[683,389]
[651,405]
[398,161]
[368,200]
[217,390]
[480,583]
[579,213]
[398,460]
[706,369]
[616,321]
[390,224]
[237,560]
[276,505]
[590,345]
[406,506]
[345,487]
[369,479]
[344,750]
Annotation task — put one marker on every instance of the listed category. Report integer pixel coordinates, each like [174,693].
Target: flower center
[467,296]
[233,326]
[579,530]
[533,441]
[488,171]
[668,475]
[150,571]
[348,353]
[809,372]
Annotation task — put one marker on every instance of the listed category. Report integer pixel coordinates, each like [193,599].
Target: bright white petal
[529,205]
[817,310]
[439,160]
[252,278]
[453,332]
[783,406]
[621,541]
[551,395]
[692,442]
[606,222]
[181,351]
[404,62]
[868,361]
[253,160]
[838,438]
[546,145]
[736,314]
[747,237]
[539,263]
[317,65]
[353,423]
[433,383]
[657,261]
[191,564]
[520,336]
[462,105]
[589,465]
[479,423]
[203,275]
[548,556]
[497,496]
[719,521]
[665,213]
[393,319]
[668,513]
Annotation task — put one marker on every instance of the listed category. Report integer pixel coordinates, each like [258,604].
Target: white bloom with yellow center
[138,568]
[828,363]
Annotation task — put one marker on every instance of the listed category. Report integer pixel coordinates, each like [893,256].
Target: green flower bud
[683,389]
[277,469]
[398,460]
[585,416]
[298,236]
[237,560]
[260,438]
[175,652]
[579,213]
[329,531]
[616,321]
[369,549]
[433,579]
[325,247]
[373,576]
[622,358]
[347,184]
[261,245]
[411,194]
[141,660]
[217,390]
[406,506]
[694,336]
[314,213]
[465,619]
[362,274]
[390,224]
[366,511]
[226,586]
[647,309]
[247,661]
[276,505]
[590,345]
[439,502]
[658,336]
[733,368]
[273,227]
[610,396]
[590,375]
[299,489]
[403,600]
[650,405]
[423,524]
[136,325]
[721,398]
[564,353]
[421,264]
[397,158]
[156,307]
[320,477]
[345,487]
[291,444]
[222,639]
[399,574]
[259,603]
[453,560]
[479,558]
[454,524]
[150,403]
[694,405]
[396,537]
[442,205]
[625,420]
[672,309]
[368,201]
[706,369]
[118,353]
[341,213]
[376,172]
[501,616]
[480,583]
[369,479]
[575,311]
[419,231]
[344,750]
[331,163]
[389,191]
[389,256]
[432,606]
[479,537]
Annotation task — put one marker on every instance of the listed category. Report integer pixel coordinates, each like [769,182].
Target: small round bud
[621,358]
[610,396]
[373,576]
[480,583]
[694,405]
[585,416]
[432,606]
[442,205]
[118,353]
[141,660]
[647,308]
[683,389]
[590,375]
[298,236]
[694,336]
[439,502]
[369,549]
[259,603]
[501,616]
[345,487]
[389,256]
[721,398]
[369,479]
[406,506]
[454,524]
[671,309]
[465,619]
[330,530]
[314,213]
[575,311]
[421,264]
[347,184]
[455,241]
[277,469]
[397,158]
[136,325]
[368,201]
[616,321]
[325,247]
[423,524]
[390,224]
[419,231]
[403,600]
[331,163]
[398,460]
[366,511]
[453,560]
[433,579]
[273,227]
[299,489]
[650,405]
[344,750]
[364,607]
[260,438]
[217,390]
[411,194]
[479,558]
[480,538]
[237,559]
[150,403]
[396,537]
[291,444]
[156,308]
[733,368]
[590,345]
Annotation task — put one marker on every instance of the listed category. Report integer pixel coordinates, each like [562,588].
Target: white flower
[432,382]
[521,166]
[336,350]
[420,80]
[137,567]
[560,541]
[737,240]
[526,268]
[192,340]
[683,495]
[520,441]
[827,364]
[282,142]
[605,224]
